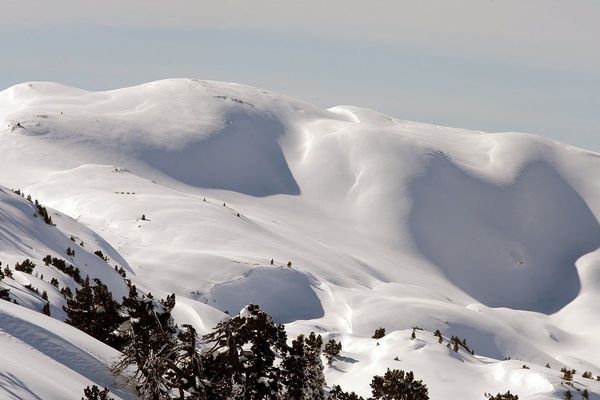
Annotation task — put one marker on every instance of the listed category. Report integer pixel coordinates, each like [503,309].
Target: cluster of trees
[26,266]
[42,212]
[62,266]
[245,357]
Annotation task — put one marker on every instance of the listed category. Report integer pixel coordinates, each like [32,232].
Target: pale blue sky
[497,66]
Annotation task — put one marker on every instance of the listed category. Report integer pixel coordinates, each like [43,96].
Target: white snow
[490,237]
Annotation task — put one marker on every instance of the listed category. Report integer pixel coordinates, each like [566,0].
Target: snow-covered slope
[489,237]
[41,357]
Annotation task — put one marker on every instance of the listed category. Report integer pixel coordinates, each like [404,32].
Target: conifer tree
[94,393]
[505,396]
[188,373]
[398,385]
[315,382]
[46,309]
[241,355]
[150,343]
[332,350]
[336,393]
[107,316]
[294,370]
[5,294]
[81,309]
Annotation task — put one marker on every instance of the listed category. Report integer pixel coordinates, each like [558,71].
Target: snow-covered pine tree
[107,316]
[315,379]
[294,370]
[187,374]
[398,385]
[150,343]
[241,355]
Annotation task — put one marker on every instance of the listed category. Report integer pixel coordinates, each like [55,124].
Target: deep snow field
[489,237]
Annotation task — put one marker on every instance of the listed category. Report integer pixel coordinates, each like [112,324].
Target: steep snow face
[490,237]
[25,235]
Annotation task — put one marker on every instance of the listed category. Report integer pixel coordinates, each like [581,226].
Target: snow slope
[490,237]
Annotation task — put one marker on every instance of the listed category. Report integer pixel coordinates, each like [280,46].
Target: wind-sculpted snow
[492,238]
[244,157]
[511,246]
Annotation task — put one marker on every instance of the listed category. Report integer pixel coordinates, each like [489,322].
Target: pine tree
[149,343]
[187,374]
[106,315]
[336,393]
[294,370]
[398,385]
[241,355]
[94,393]
[332,350]
[81,310]
[568,395]
[26,266]
[505,396]
[315,378]
[5,294]
[46,309]
[379,333]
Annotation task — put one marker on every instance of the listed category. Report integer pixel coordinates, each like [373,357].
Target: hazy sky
[494,65]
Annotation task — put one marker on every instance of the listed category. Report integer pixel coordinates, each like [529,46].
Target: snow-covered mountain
[489,237]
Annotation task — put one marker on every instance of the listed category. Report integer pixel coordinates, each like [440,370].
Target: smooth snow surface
[490,237]
[286,295]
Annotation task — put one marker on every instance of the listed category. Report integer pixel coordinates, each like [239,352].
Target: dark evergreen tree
[315,380]
[398,385]
[568,395]
[81,310]
[5,294]
[188,373]
[505,396]
[150,344]
[44,214]
[94,393]
[241,355]
[336,393]
[101,255]
[26,266]
[66,292]
[294,370]
[332,350]
[46,309]
[379,333]
[107,316]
